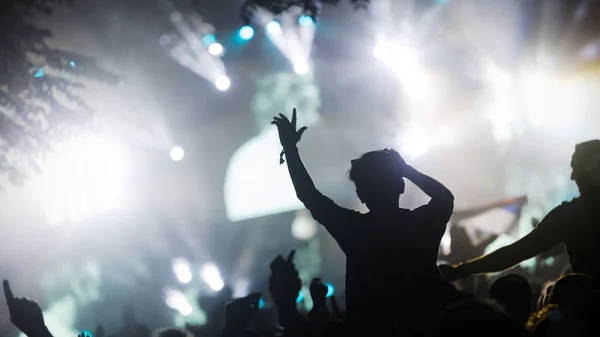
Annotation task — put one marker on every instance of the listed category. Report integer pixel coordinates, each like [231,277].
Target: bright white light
[223,83]
[303,227]
[381,51]
[246,32]
[211,275]
[177,153]
[542,97]
[301,67]
[186,309]
[181,268]
[274,28]
[414,143]
[176,300]
[216,49]
[85,177]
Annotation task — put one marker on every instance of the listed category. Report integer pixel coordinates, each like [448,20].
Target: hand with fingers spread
[284,283]
[288,135]
[25,314]
[239,314]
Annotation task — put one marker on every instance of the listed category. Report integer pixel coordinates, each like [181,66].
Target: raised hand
[239,314]
[318,291]
[25,314]
[288,135]
[284,283]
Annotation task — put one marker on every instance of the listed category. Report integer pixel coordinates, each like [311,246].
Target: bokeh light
[274,28]
[211,275]
[246,33]
[177,153]
[330,290]
[216,49]
[223,83]
[209,39]
[301,67]
[305,21]
[181,268]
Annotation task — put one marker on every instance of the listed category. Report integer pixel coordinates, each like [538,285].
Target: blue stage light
[306,21]
[330,290]
[246,32]
[208,39]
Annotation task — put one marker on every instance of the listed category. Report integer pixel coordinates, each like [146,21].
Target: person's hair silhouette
[377,176]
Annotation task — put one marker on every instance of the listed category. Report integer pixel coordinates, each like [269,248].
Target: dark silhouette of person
[576,224]
[389,250]
[514,293]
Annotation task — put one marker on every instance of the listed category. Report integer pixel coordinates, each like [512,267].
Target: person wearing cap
[390,250]
[576,224]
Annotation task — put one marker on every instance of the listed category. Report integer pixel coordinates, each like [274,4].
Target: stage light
[39,73]
[176,300]
[274,28]
[304,227]
[72,63]
[330,290]
[246,33]
[381,51]
[216,49]
[177,153]
[211,275]
[300,297]
[223,83]
[301,67]
[182,271]
[261,303]
[306,21]
[186,309]
[208,39]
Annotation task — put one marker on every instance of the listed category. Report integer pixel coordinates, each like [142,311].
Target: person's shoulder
[574,203]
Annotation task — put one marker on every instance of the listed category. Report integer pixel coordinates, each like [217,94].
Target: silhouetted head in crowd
[515,295]
[172,332]
[586,168]
[570,289]
[377,176]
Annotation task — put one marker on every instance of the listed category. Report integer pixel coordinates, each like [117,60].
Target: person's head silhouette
[378,178]
[586,168]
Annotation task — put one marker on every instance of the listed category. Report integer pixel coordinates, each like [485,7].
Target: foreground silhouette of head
[586,168]
[377,176]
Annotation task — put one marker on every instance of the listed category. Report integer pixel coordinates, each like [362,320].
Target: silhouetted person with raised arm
[389,250]
[575,224]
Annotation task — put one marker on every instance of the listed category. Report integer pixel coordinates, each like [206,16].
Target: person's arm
[441,197]
[550,232]
[457,216]
[323,209]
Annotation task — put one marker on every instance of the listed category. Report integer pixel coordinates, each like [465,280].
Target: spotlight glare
[381,51]
[216,49]
[274,28]
[306,21]
[223,83]
[177,153]
[211,275]
[301,68]
[246,33]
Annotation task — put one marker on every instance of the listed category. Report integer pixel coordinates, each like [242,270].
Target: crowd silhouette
[398,249]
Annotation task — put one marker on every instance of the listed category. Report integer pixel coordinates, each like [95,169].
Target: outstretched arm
[323,209]
[549,233]
[465,214]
